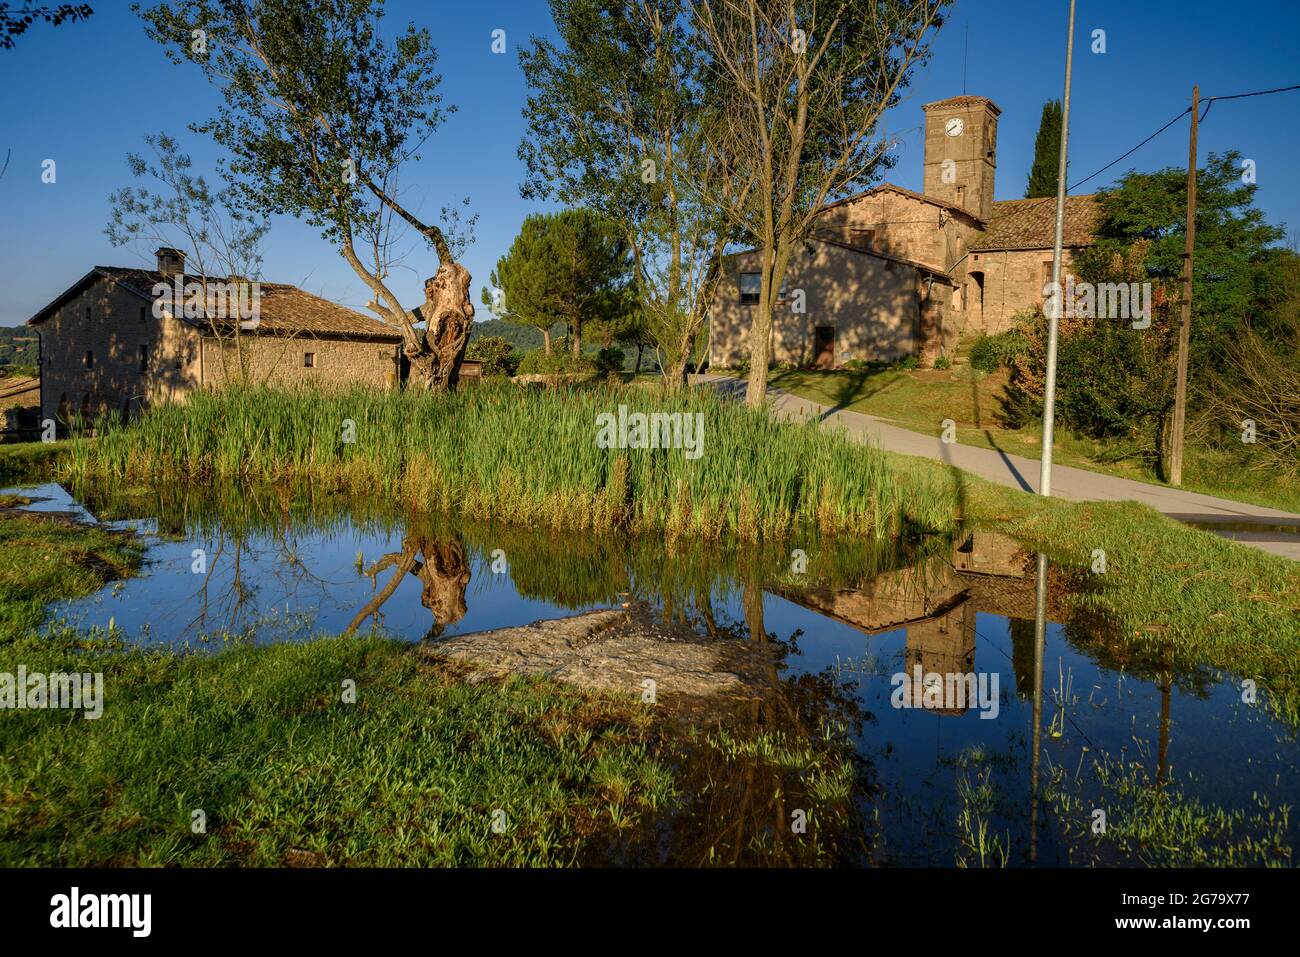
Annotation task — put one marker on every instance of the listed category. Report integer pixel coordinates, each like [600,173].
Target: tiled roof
[1031,223]
[962,101]
[902,191]
[285,309]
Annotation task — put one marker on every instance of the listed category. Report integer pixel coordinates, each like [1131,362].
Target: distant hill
[523,338]
[19,346]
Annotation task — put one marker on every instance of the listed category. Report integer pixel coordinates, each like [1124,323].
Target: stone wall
[900,225]
[871,303]
[279,360]
[1013,282]
[92,359]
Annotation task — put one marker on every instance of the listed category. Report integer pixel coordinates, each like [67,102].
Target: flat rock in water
[609,651]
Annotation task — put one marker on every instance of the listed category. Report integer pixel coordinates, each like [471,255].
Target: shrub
[907,363]
[559,362]
[988,353]
[609,361]
[497,355]
[943,362]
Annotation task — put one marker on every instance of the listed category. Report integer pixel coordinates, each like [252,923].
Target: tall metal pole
[1058,298]
[1040,647]
[1185,328]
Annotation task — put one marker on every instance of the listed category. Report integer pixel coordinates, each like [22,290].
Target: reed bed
[528,456]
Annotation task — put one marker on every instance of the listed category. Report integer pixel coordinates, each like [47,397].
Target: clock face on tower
[954,126]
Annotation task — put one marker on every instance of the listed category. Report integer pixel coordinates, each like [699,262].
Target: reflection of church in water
[936,604]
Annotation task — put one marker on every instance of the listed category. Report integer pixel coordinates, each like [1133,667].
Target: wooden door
[824,347]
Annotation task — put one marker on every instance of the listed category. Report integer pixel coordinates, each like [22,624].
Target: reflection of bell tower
[961,140]
[943,645]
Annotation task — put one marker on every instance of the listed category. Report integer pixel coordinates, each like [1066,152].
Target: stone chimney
[171,262]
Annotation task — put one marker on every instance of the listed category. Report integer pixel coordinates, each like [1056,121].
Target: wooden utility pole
[1185,329]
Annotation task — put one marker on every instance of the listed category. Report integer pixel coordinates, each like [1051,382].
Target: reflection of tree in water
[441,565]
[234,609]
[754,763]
[1147,656]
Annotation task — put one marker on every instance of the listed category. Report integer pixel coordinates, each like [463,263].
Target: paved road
[1265,528]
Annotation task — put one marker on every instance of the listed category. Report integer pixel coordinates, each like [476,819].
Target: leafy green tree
[318,113]
[1259,382]
[1117,382]
[799,89]
[1047,152]
[566,267]
[617,119]
[14,23]
[521,338]
[1238,264]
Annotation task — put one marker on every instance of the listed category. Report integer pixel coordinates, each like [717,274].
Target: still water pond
[1135,757]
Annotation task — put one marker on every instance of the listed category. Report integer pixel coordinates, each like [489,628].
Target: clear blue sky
[85,94]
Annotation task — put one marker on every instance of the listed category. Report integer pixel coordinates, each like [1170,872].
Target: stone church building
[891,273]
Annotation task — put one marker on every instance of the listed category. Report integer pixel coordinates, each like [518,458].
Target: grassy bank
[921,399]
[415,770]
[29,461]
[1169,592]
[526,456]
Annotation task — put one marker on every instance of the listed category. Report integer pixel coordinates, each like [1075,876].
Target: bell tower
[961,140]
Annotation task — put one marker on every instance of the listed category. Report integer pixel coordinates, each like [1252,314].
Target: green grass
[42,559]
[29,461]
[1155,825]
[920,400]
[285,771]
[527,456]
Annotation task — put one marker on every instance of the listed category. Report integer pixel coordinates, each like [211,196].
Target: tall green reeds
[528,456]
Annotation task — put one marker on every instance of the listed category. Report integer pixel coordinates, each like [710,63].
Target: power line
[1239,96]
[1133,150]
[1208,103]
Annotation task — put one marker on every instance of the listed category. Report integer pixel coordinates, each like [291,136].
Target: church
[890,272]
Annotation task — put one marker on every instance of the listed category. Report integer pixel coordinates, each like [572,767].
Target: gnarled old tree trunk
[448,314]
[435,353]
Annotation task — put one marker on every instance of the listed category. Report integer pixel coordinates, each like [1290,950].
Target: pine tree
[1047,153]
[564,267]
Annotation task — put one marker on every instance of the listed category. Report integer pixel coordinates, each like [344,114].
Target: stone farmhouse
[890,272]
[103,348]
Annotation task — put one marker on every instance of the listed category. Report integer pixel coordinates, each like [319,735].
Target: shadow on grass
[993,442]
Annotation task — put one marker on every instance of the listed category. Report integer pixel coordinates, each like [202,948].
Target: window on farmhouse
[751,285]
[144,358]
[89,361]
[309,360]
